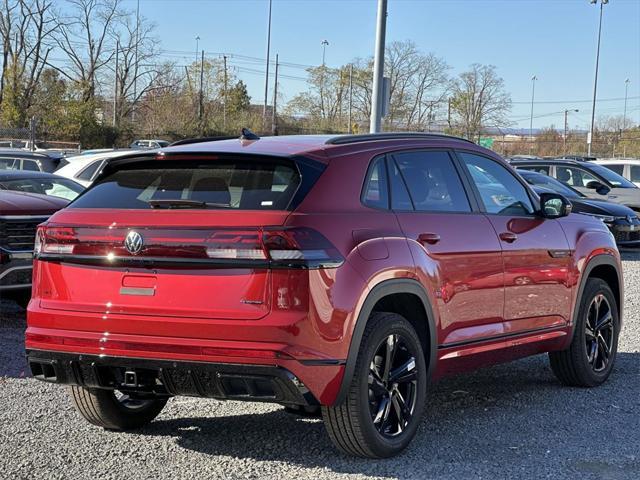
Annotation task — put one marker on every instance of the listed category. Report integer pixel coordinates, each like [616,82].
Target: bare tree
[479,100]
[137,68]
[86,37]
[26,27]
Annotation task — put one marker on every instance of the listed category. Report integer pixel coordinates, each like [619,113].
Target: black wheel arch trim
[381,290]
[597,261]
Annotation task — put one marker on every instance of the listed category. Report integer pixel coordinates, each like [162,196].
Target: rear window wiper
[180,203]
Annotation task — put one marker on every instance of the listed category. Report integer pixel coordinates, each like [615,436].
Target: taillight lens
[297,247]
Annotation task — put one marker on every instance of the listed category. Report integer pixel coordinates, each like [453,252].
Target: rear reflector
[268,247]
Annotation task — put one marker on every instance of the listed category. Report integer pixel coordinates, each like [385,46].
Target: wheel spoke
[405,372]
[391,346]
[590,333]
[605,322]
[383,412]
[604,348]
[376,385]
[402,411]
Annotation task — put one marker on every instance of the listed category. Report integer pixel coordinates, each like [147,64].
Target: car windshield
[540,180]
[54,187]
[610,176]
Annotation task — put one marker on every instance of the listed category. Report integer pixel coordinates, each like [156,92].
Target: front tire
[386,398]
[589,359]
[106,409]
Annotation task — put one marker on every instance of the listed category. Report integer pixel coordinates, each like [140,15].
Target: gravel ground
[509,421]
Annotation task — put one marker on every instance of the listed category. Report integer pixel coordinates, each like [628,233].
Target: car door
[535,250]
[455,249]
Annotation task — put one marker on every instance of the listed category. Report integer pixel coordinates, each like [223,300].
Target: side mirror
[600,188]
[554,205]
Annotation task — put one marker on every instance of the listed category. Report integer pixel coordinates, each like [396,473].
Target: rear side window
[544,169]
[89,171]
[376,190]
[618,168]
[635,173]
[223,184]
[433,182]
[30,165]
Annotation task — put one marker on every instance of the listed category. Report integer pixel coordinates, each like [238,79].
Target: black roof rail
[188,141]
[347,139]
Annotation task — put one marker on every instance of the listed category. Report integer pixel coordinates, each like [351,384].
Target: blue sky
[553,39]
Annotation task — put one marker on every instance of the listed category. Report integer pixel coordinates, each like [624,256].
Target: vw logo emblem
[133,242]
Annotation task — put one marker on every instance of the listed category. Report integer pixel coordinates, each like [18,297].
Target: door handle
[429,238]
[508,237]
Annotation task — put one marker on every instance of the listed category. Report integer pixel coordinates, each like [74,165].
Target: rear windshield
[216,184]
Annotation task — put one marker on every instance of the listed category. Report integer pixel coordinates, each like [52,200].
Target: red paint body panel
[491,300]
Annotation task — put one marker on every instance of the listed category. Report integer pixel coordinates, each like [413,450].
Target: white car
[629,168]
[85,168]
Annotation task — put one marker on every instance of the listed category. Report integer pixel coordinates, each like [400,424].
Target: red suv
[338,274]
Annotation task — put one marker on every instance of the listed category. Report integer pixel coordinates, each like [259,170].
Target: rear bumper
[224,381]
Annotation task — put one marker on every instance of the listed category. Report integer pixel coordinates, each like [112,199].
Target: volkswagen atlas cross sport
[338,274]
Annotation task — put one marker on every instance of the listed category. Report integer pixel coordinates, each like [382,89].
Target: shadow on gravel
[630,254]
[515,413]
[12,326]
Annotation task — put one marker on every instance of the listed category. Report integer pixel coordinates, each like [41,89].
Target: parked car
[589,178]
[340,273]
[39,183]
[621,220]
[17,159]
[20,214]
[84,169]
[628,168]
[145,144]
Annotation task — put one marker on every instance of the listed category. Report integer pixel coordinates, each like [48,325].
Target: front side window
[432,180]
[575,177]
[500,191]
[376,190]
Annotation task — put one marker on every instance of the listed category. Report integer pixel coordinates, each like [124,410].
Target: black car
[622,221]
[17,159]
[39,183]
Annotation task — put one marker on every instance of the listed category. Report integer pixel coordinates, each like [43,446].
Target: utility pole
[201,96]
[274,118]
[115,87]
[266,75]
[324,51]
[624,116]
[566,130]
[135,70]
[224,111]
[350,95]
[595,81]
[533,94]
[449,113]
[378,69]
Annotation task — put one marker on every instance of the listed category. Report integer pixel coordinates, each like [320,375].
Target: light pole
[266,75]
[197,47]
[533,96]
[626,93]
[378,69]
[566,131]
[324,50]
[595,81]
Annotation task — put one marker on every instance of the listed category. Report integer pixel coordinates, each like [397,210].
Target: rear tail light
[297,247]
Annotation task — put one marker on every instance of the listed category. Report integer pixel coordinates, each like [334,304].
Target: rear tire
[21,297]
[386,398]
[104,409]
[589,359]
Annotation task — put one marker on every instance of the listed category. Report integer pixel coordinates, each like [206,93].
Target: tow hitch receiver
[130,379]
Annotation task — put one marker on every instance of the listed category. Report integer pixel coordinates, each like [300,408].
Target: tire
[577,366]
[104,409]
[351,425]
